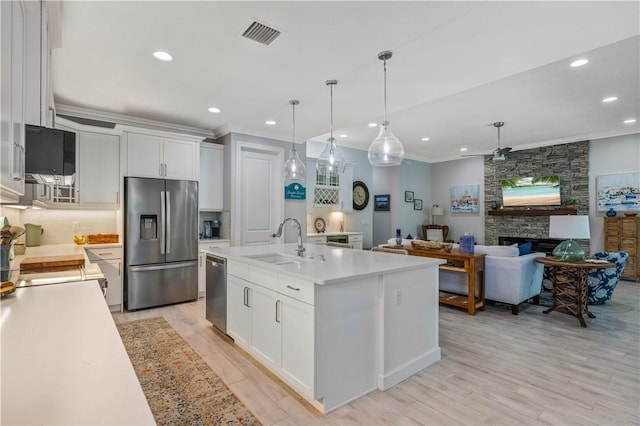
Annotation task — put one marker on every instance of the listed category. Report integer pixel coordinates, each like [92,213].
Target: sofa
[509,276]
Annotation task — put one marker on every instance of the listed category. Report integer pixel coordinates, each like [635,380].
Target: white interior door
[260,196]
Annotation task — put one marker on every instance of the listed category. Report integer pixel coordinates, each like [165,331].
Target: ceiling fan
[499,154]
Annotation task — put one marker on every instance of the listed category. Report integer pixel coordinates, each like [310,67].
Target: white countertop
[63,361]
[341,264]
[325,234]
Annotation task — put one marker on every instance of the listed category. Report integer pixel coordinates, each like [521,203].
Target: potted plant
[570,203]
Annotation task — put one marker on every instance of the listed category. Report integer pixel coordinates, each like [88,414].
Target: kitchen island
[336,324]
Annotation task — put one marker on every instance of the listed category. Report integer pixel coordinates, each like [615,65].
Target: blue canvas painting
[464,199]
[619,192]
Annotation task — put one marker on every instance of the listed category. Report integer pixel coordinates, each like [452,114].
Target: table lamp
[436,211]
[570,227]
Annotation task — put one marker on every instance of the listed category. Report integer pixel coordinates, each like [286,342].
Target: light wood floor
[496,368]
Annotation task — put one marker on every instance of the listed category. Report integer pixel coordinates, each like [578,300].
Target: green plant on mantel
[570,203]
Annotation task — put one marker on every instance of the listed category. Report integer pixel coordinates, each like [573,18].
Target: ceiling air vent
[261,33]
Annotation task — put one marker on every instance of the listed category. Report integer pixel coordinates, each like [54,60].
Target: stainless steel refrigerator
[161,242]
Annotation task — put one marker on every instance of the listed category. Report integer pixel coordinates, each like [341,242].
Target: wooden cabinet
[12,98]
[110,262]
[156,156]
[210,183]
[98,170]
[623,234]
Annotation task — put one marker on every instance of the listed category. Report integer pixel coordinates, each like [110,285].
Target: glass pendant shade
[386,150]
[294,168]
[331,159]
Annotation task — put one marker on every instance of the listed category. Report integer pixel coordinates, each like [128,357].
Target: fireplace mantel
[532,212]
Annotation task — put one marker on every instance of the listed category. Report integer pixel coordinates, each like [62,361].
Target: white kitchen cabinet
[12,98]
[275,322]
[157,156]
[98,170]
[297,364]
[238,310]
[333,191]
[264,342]
[355,241]
[211,169]
[317,240]
[202,257]
[110,262]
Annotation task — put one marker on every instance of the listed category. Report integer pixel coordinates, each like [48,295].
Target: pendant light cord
[385,92]
[331,114]
[293,138]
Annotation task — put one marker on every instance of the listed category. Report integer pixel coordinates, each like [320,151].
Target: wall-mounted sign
[382,203]
[295,191]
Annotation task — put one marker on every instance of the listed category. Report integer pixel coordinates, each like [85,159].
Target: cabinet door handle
[244,297]
[293,288]
[117,197]
[119,266]
[277,309]
[200,264]
[160,172]
[19,151]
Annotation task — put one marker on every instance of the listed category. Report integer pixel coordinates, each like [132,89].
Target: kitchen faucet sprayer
[300,249]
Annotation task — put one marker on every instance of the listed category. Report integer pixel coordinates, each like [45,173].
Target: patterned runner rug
[179,386]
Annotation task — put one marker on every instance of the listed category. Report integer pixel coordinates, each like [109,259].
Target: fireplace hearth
[543,245]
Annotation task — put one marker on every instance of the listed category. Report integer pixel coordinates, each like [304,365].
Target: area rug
[180,387]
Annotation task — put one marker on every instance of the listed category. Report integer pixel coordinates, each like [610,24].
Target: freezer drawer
[162,284]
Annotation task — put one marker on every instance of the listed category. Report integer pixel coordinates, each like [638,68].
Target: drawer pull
[293,288]
[105,254]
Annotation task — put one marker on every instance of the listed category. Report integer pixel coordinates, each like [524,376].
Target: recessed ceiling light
[579,62]
[373,124]
[344,135]
[162,55]
[270,123]
[610,99]
[424,139]
[629,121]
[463,149]
[214,110]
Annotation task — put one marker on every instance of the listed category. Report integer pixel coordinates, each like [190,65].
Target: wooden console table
[470,264]
[570,287]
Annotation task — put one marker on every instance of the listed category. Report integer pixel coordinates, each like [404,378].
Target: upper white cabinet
[98,169]
[157,156]
[211,167]
[329,190]
[12,94]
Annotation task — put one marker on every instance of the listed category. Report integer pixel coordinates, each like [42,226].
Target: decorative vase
[611,212]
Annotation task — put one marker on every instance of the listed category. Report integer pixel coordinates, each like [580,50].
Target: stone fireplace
[568,161]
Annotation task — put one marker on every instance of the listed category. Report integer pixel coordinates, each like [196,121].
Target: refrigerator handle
[168,237]
[162,221]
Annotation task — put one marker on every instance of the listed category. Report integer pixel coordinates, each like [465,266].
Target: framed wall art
[417,204]
[408,196]
[464,199]
[620,192]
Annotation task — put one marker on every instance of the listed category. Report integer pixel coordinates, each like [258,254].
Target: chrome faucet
[300,249]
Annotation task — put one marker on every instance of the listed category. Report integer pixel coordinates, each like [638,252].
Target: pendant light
[294,168]
[331,159]
[385,150]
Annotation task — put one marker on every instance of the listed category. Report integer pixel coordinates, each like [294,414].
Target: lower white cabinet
[356,241]
[110,262]
[276,329]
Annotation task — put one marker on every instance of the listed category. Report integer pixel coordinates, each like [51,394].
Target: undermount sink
[275,258]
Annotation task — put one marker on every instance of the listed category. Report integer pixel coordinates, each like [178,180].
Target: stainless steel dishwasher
[216,292]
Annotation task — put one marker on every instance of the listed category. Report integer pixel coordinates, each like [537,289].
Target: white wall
[467,171]
[606,157]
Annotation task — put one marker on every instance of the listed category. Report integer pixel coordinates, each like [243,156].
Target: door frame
[236,183]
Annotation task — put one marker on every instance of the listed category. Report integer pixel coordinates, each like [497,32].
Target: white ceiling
[457,67]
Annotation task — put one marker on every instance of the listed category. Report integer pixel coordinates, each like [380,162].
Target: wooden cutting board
[51,262]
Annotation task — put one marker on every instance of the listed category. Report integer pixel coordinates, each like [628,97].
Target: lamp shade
[437,211]
[576,227]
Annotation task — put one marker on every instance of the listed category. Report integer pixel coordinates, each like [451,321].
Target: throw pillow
[524,248]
